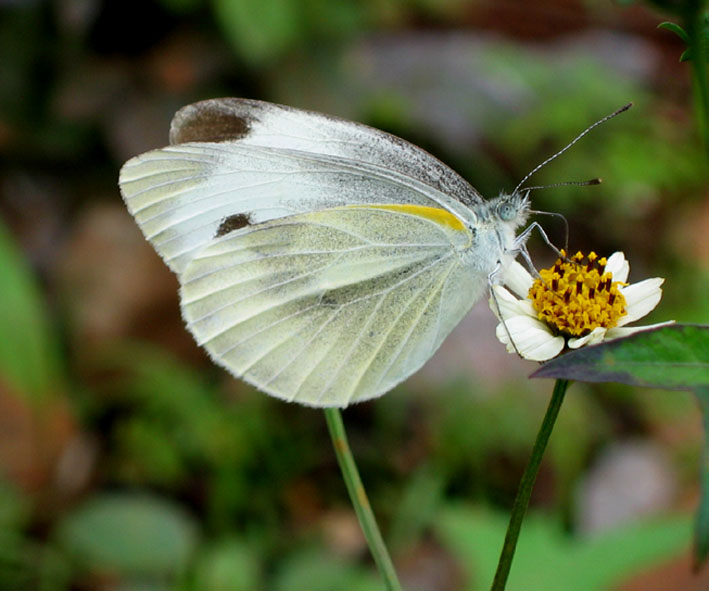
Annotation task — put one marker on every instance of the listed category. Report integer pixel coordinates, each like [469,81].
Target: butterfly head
[511,209]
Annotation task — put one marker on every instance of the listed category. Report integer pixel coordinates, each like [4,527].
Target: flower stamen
[573,298]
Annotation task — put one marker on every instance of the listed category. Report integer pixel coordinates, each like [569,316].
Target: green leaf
[701,40]
[676,29]
[674,357]
[320,571]
[134,535]
[261,31]
[548,559]
[29,358]
[229,564]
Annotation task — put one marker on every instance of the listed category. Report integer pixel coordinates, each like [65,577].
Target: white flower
[577,302]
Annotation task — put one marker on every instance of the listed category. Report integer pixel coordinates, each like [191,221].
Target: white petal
[509,305]
[595,336]
[620,332]
[503,337]
[618,267]
[518,279]
[641,298]
[533,339]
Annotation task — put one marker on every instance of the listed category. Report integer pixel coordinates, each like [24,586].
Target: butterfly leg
[521,240]
[490,283]
[520,247]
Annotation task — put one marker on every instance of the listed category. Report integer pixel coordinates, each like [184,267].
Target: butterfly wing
[238,162]
[331,307]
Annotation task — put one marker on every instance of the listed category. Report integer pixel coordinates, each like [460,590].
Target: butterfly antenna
[576,139]
[595,181]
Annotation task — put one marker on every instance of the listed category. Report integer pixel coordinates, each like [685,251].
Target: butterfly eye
[506,212]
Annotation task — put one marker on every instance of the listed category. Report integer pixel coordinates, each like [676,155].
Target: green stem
[694,25]
[526,484]
[701,525]
[359,499]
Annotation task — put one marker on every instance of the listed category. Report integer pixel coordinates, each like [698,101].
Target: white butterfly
[320,260]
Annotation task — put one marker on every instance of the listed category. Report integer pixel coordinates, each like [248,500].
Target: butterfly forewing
[258,123]
[237,162]
[329,307]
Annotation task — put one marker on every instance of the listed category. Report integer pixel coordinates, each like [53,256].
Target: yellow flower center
[575,296]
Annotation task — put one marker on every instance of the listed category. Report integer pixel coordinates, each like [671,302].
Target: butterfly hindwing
[334,306]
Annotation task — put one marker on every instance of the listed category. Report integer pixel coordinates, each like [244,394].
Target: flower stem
[359,499]
[525,486]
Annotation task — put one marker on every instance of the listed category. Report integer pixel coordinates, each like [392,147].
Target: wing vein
[228,286]
[414,322]
[304,348]
[325,354]
[202,212]
[384,338]
[272,348]
[262,291]
[335,374]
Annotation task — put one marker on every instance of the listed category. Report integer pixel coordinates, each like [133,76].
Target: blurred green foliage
[264,31]
[584,565]
[228,563]
[29,360]
[138,536]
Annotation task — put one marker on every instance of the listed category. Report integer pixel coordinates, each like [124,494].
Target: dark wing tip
[213,120]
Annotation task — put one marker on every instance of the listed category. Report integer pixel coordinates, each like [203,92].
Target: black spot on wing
[210,121]
[233,222]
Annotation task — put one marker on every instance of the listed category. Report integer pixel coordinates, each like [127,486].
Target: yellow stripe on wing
[435,214]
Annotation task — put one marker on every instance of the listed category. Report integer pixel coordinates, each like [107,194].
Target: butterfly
[321,260]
